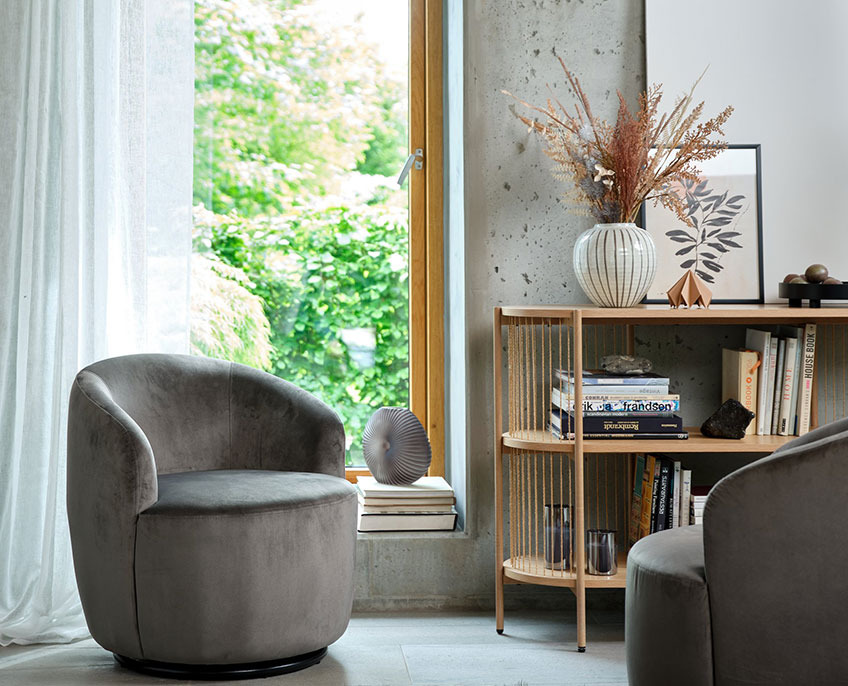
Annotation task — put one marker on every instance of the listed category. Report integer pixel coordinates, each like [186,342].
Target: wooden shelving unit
[594,477]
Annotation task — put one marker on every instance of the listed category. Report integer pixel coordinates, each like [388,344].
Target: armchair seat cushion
[667,604]
[222,492]
[236,566]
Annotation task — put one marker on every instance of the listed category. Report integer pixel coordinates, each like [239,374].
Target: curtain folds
[95,241]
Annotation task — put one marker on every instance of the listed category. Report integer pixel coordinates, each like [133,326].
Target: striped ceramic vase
[615,264]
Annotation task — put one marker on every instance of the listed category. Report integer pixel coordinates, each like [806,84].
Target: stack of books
[661,496]
[426,505]
[696,507]
[773,377]
[626,406]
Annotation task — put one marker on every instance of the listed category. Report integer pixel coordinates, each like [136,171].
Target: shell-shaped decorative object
[396,447]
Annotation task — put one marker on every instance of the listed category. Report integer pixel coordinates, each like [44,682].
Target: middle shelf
[543,441]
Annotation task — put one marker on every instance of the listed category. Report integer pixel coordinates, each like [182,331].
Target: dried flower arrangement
[615,168]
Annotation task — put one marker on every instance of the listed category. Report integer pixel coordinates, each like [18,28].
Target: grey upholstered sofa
[212,531]
[759,594]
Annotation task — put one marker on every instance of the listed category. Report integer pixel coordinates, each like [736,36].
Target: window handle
[417,159]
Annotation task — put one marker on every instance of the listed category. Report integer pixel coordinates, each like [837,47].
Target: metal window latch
[417,159]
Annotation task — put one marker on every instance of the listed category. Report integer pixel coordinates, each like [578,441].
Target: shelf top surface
[663,314]
[543,441]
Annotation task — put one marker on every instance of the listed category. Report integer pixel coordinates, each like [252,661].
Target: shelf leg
[499,514]
[579,525]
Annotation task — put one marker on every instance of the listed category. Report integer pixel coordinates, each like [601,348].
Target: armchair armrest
[774,547]
[111,477]
[276,425]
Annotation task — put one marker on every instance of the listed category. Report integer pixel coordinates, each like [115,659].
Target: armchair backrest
[776,561]
[180,402]
[200,413]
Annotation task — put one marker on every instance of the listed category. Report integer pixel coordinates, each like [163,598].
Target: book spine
[788,380]
[675,495]
[636,381]
[796,385]
[739,380]
[617,404]
[664,497]
[636,499]
[807,370]
[778,386]
[655,492]
[647,496]
[589,380]
[599,424]
[762,384]
[619,390]
[685,497]
[772,367]
[759,341]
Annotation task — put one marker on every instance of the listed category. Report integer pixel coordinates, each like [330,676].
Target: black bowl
[814,292]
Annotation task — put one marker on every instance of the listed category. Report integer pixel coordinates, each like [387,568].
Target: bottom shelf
[531,570]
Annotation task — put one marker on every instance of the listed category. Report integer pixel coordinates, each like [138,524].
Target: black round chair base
[248,670]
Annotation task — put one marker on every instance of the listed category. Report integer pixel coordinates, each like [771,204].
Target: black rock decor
[728,421]
[396,447]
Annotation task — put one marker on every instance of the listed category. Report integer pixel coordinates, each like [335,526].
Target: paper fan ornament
[396,447]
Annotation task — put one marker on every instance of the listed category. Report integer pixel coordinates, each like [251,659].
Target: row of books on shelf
[773,377]
[663,497]
[425,505]
[616,406]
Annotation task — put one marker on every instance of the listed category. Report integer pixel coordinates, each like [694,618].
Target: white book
[606,403]
[778,386]
[786,386]
[406,522]
[675,496]
[806,379]
[623,390]
[772,374]
[425,487]
[796,387]
[403,508]
[685,496]
[760,342]
[392,502]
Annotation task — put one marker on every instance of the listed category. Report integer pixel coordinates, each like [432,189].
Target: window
[309,261]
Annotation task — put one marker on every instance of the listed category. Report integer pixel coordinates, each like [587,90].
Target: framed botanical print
[724,244]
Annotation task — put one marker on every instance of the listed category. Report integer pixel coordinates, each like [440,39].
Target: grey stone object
[396,446]
[752,594]
[625,364]
[210,522]
[728,421]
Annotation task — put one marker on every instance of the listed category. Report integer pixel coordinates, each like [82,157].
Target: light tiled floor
[392,649]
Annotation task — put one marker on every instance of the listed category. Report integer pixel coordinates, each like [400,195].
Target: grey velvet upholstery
[759,595]
[667,610]
[209,519]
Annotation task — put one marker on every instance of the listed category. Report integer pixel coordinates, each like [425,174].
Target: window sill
[406,535]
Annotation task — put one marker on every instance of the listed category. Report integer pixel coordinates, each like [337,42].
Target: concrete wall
[517,239]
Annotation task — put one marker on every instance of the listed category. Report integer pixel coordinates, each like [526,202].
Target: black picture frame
[663,239]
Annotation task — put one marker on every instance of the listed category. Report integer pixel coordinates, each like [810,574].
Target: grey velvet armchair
[758,595]
[212,530]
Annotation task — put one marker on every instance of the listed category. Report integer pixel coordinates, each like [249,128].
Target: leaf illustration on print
[712,234]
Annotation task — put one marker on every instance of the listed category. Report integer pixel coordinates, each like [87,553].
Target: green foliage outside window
[300,238]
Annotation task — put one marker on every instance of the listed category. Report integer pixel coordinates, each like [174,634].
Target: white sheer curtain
[96,111]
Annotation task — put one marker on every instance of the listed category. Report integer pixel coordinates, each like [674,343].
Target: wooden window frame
[426,230]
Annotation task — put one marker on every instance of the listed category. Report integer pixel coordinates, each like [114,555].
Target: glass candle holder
[557,536]
[600,553]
